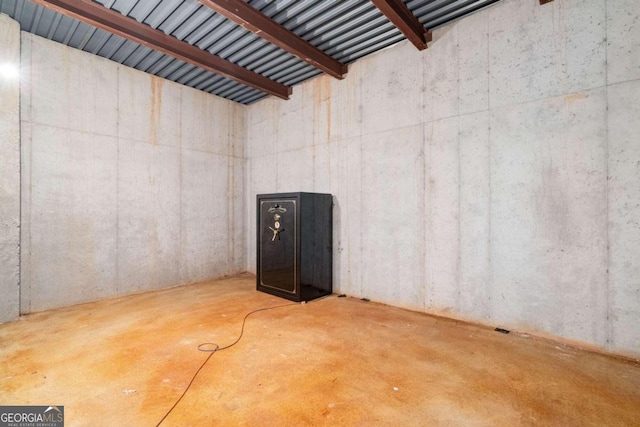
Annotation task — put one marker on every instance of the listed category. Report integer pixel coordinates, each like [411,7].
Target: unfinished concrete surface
[130,182]
[494,176]
[335,361]
[9,169]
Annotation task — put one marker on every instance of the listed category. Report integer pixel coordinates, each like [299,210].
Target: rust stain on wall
[327,99]
[156,108]
[321,89]
[573,97]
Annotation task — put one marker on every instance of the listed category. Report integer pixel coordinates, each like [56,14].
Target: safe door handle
[276,233]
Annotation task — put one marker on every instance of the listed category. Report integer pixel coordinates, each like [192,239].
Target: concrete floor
[335,361]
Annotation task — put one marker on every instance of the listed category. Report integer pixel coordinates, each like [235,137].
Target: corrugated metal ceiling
[345,29]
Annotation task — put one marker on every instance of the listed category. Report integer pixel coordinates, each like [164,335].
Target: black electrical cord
[214,348]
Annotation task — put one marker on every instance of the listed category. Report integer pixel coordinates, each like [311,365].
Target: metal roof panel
[346,30]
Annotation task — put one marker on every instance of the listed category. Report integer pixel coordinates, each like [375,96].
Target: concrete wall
[494,176]
[9,171]
[129,182]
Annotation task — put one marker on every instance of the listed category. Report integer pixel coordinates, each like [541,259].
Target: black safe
[294,245]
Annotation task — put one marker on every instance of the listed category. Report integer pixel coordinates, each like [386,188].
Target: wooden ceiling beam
[116,23]
[261,25]
[400,16]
